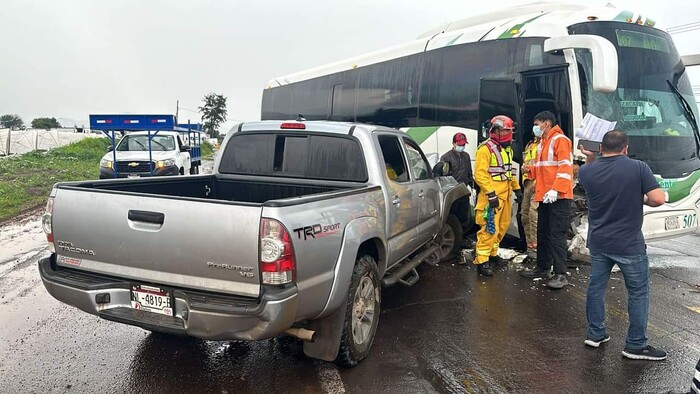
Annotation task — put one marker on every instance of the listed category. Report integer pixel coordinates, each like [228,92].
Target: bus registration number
[685,221]
[151,299]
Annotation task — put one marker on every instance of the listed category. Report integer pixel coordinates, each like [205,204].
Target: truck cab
[169,155]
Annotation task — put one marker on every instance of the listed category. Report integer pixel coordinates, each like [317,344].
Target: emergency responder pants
[461,210]
[528,212]
[487,244]
[552,225]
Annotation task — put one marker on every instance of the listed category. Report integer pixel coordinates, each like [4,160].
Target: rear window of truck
[309,156]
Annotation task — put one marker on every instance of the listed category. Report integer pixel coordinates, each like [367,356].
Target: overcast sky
[70,58]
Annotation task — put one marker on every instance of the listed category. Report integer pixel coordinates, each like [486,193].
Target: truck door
[427,191]
[402,199]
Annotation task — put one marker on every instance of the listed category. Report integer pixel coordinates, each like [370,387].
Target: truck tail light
[47,220]
[293,126]
[277,264]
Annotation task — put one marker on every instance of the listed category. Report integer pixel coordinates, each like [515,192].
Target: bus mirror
[603,54]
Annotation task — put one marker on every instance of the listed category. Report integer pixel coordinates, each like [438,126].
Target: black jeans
[462,210]
[553,223]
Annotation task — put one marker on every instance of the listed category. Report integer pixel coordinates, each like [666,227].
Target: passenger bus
[566,58]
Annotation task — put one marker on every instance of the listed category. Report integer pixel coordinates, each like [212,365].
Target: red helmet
[502,122]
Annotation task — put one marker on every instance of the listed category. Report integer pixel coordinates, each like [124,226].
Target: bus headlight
[106,163]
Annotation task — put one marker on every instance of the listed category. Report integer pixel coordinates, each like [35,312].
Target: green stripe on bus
[452,41]
[420,134]
[624,16]
[678,190]
[516,29]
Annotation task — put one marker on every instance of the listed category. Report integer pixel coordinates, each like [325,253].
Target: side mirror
[602,51]
[442,168]
[185,148]
[110,148]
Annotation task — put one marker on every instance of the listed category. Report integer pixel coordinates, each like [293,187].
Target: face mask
[537,131]
[459,148]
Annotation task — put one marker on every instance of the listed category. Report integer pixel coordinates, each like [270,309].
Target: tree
[45,123]
[12,122]
[213,113]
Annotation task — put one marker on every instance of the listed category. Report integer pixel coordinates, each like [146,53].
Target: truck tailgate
[149,239]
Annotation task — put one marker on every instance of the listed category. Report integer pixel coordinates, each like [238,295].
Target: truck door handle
[421,194]
[147,217]
[396,201]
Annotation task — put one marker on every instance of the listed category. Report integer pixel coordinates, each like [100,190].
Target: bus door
[546,89]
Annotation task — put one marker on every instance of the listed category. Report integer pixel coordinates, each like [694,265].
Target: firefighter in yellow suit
[497,181]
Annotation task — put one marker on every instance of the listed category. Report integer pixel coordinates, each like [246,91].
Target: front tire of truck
[450,238]
[362,314]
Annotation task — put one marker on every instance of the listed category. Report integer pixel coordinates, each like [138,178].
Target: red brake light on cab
[293,125]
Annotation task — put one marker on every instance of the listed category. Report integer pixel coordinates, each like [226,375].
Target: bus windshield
[647,104]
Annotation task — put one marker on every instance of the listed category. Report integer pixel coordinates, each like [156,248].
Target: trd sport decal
[316,231]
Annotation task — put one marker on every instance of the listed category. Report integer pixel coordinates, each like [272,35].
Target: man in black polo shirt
[616,188]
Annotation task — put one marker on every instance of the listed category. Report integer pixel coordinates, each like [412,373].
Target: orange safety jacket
[554,166]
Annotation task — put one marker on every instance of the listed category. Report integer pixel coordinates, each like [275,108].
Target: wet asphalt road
[452,332]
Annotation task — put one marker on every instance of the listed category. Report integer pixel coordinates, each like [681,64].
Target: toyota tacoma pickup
[296,232]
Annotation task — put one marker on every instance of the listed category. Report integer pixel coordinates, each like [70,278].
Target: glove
[493,200]
[518,196]
[550,197]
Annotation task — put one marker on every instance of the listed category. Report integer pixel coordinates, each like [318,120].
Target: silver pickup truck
[295,233]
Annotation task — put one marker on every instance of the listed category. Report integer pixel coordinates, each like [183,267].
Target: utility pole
[177,110]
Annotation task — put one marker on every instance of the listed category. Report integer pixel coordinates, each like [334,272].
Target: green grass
[207,151]
[26,180]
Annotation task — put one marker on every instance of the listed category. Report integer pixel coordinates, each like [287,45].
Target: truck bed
[240,189]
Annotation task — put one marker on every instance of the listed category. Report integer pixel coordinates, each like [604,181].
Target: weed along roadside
[26,180]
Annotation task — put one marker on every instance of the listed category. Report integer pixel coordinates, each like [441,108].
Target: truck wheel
[182,171]
[362,314]
[450,238]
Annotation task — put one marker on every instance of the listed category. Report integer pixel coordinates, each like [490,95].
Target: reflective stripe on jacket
[501,163]
[554,166]
[486,181]
[529,157]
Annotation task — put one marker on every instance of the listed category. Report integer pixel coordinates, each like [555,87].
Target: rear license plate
[151,299]
[672,223]
[133,176]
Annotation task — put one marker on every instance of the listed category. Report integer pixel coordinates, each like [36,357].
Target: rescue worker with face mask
[497,181]
[554,191]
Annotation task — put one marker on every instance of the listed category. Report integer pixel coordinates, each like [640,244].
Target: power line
[688,27]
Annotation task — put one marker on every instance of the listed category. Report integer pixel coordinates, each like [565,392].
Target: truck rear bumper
[212,316]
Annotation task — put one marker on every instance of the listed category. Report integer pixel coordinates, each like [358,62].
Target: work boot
[536,273]
[558,281]
[497,262]
[485,269]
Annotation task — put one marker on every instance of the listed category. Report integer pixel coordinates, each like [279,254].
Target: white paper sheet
[594,128]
